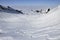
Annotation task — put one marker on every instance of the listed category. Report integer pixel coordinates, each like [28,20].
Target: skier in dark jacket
[48,10]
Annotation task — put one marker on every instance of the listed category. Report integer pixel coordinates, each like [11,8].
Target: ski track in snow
[30,27]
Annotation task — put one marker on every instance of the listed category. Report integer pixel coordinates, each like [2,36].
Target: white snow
[30,27]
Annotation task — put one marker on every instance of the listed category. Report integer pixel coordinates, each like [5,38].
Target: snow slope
[30,27]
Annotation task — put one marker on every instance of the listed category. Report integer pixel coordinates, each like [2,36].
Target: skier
[41,11]
[48,10]
[37,11]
